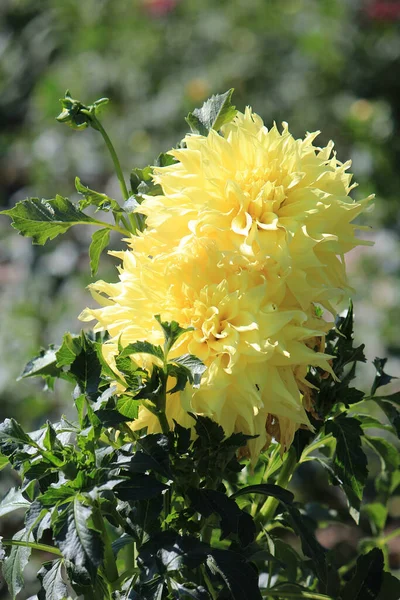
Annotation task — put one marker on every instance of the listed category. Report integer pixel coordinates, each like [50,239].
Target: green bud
[78,115]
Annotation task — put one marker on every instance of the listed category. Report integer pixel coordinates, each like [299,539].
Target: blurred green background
[329,65]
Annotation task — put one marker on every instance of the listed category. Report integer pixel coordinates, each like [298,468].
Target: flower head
[250,233]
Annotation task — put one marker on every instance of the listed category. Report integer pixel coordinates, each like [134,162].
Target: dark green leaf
[381,378]
[214,113]
[43,220]
[139,487]
[350,462]
[100,240]
[233,520]
[310,546]
[86,368]
[93,198]
[367,581]
[390,588]
[169,551]
[13,500]
[266,489]
[77,540]
[209,432]
[240,577]
[53,585]
[15,563]
[55,495]
[190,593]
[183,437]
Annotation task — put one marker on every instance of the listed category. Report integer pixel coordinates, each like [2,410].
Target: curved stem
[270,505]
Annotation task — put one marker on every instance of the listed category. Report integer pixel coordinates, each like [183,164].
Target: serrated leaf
[172,332]
[368,578]
[53,585]
[240,577]
[214,113]
[266,489]
[381,377]
[44,220]
[93,198]
[209,432]
[100,241]
[139,487]
[350,462]
[86,368]
[11,431]
[189,593]
[193,365]
[15,563]
[142,347]
[78,542]
[69,349]
[13,500]
[233,520]
[43,365]
[128,407]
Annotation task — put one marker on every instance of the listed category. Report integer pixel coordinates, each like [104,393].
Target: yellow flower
[250,234]
[263,194]
[254,349]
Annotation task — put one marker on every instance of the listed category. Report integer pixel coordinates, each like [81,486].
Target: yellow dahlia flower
[265,195]
[250,234]
[257,352]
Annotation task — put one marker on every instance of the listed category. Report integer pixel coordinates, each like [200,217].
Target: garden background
[329,65]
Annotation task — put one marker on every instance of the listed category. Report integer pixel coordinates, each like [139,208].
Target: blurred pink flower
[159,8]
[384,11]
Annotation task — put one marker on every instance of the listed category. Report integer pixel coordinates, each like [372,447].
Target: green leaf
[172,331]
[93,198]
[391,412]
[350,462]
[214,113]
[139,487]
[100,240]
[86,368]
[53,496]
[3,462]
[189,593]
[377,515]
[43,365]
[53,585]
[193,365]
[310,546]
[233,520]
[142,347]
[367,581]
[128,407]
[390,588]
[240,577]
[266,489]
[69,350]
[388,454]
[15,563]
[381,377]
[44,220]
[11,431]
[77,540]
[13,500]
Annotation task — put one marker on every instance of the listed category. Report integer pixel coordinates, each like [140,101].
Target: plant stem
[111,149]
[33,545]
[270,505]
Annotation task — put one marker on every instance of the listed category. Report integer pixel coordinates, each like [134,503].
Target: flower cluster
[246,245]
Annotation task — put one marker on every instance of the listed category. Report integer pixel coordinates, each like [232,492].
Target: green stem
[270,505]
[282,594]
[110,567]
[111,149]
[34,545]
[208,583]
[390,536]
